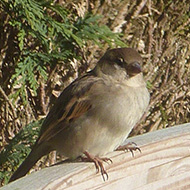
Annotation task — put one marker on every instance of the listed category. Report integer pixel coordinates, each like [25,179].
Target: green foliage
[27,71]
[88,29]
[15,152]
[149,85]
[46,34]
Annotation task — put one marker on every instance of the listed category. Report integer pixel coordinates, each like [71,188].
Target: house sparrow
[95,113]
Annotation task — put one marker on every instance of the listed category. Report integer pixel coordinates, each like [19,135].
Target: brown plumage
[96,112]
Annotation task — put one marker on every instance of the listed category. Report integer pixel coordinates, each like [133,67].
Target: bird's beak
[133,69]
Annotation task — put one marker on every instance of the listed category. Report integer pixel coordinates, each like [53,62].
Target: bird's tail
[37,152]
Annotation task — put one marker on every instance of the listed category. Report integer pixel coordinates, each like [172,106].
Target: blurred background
[45,45]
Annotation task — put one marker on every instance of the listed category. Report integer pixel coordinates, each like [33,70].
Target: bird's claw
[98,164]
[131,146]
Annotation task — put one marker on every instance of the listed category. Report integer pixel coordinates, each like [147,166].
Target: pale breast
[123,108]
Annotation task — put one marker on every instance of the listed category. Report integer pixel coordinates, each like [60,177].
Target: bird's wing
[71,104]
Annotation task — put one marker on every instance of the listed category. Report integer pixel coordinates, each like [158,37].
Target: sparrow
[95,113]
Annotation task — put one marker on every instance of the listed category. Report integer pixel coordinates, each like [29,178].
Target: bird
[95,113]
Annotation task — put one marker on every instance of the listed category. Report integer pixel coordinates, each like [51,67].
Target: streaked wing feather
[78,109]
[72,103]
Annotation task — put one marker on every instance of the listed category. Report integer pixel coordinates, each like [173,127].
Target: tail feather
[36,153]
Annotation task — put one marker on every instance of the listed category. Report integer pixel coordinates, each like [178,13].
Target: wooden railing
[164,164]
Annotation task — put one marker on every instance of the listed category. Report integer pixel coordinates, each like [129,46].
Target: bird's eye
[120,61]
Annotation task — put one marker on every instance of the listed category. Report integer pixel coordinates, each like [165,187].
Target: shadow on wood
[163,164]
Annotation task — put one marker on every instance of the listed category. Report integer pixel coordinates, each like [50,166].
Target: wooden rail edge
[163,164]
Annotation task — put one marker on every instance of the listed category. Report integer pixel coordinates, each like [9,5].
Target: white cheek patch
[116,66]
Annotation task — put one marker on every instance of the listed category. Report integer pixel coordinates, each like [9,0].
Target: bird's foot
[98,163]
[131,146]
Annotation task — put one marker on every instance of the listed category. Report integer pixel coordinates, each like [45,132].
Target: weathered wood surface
[164,164]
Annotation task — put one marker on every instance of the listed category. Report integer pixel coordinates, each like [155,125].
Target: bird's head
[120,61]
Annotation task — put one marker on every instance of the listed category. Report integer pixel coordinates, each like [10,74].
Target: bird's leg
[98,163]
[131,146]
